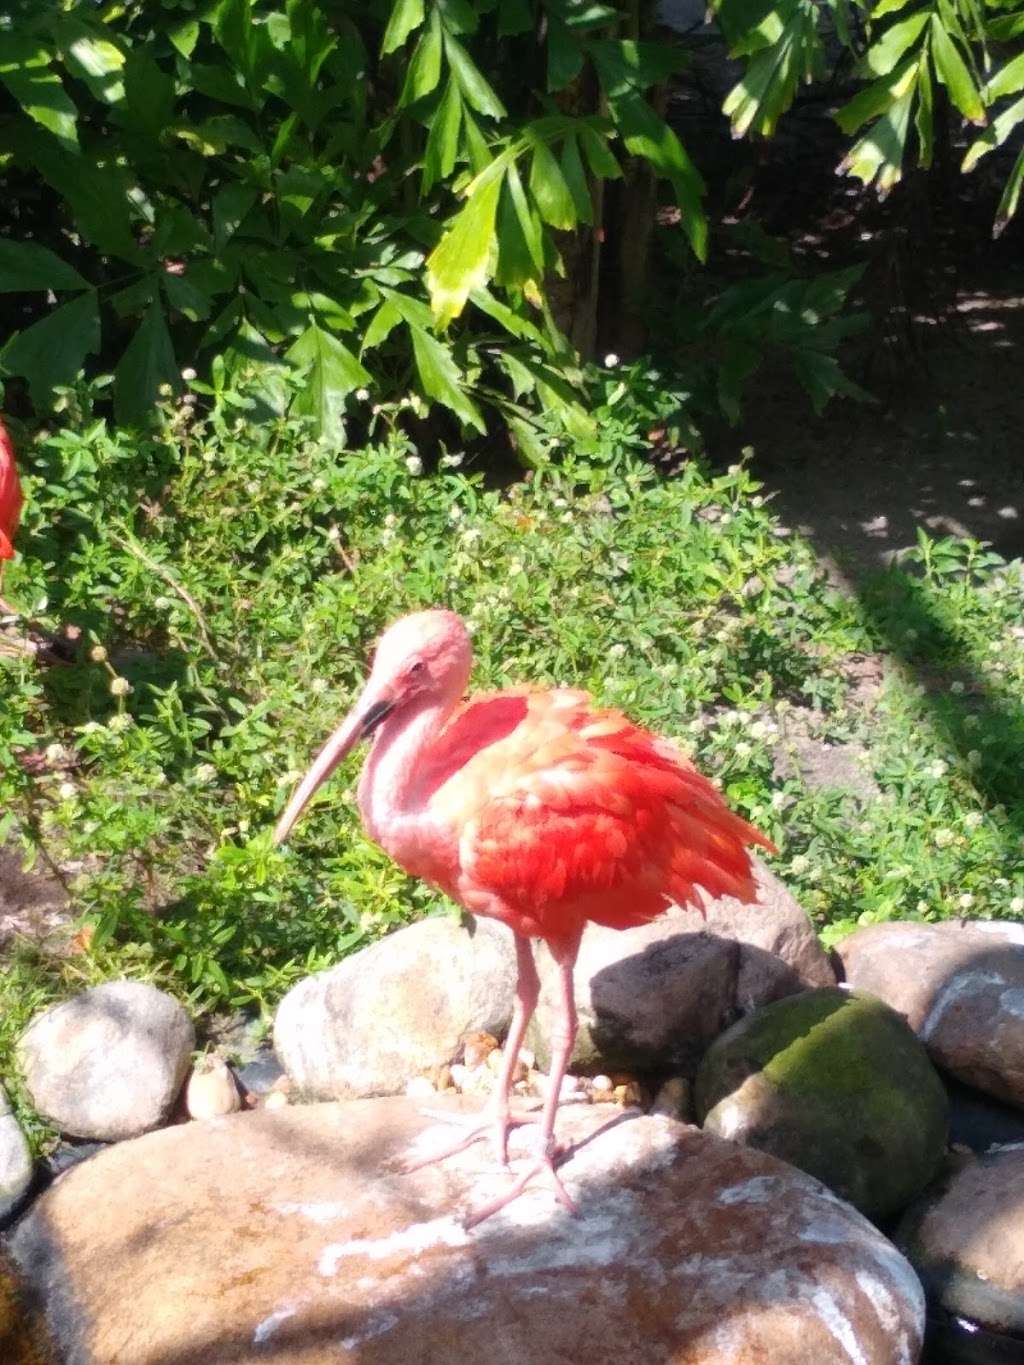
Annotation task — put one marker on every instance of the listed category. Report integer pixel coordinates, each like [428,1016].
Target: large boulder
[397,1008]
[837,1084]
[654,997]
[108,1063]
[291,1235]
[960,987]
[966,1238]
[15,1160]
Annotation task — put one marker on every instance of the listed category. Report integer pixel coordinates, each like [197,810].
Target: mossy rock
[834,1082]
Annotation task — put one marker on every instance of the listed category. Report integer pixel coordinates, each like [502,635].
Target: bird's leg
[547,1152]
[497,1117]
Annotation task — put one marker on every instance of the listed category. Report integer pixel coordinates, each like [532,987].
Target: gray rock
[654,997]
[109,1063]
[966,1239]
[686,1249]
[837,1084]
[396,1009]
[960,987]
[15,1160]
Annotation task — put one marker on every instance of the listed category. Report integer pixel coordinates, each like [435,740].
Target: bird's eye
[417,668]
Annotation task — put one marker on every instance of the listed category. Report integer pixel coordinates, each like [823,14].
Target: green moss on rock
[834,1082]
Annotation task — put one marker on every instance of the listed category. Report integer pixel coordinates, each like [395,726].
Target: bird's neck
[388,797]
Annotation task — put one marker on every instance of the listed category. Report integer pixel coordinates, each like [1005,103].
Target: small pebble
[476,1048]
[276,1099]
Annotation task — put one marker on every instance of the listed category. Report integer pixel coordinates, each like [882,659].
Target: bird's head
[423,660]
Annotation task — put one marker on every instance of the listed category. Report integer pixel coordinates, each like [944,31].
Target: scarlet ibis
[532,806]
[10,503]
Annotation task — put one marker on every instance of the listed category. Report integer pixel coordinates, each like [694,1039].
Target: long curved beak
[358,725]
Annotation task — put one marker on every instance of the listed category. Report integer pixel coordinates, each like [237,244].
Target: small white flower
[118,724]
[1017,904]
[390,521]
[957,688]
[161,603]
[617,650]
[779,800]
[362,395]
[414,464]
[165,390]
[937,769]
[922,907]
[800,864]
[120,687]
[734,469]
[56,755]
[98,654]
[452,461]
[972,819]
[611,360]
[965,901]
[319,485]
[515,568]
[743,749]
[205,774]
[470,535]
[243,826]
[319,686]
[942,838]
[67,791]
[188,374]
[455,512]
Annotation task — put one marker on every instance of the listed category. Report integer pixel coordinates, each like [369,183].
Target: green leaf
[461,261]
[52,351]
[1010,197]
[884,55]
[1007,81]
[185,297]
[235,31]
[885,7]
[874,99]
[994,135]
[529,222]
[148,362]
[441,379]
[952,72]
[565,54]
[331,373]
[513,322]
[879,153]
[647,135]
[26,266]
[25,70]
[382,324]
[184,36]
[550,192]
[149,94]
[406,15]
[230,205]
[443,139]
[600,158]
[476,90]
[576,179]
[92,57]
[424,70]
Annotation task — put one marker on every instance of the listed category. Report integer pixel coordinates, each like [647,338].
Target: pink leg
[561,1051]
[497,1117]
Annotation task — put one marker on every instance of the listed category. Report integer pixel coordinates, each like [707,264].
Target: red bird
[10,503]
[534,807]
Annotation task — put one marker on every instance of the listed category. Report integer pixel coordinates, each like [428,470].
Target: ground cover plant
[227,578]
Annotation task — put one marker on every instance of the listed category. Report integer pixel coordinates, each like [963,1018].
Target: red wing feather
[577,814]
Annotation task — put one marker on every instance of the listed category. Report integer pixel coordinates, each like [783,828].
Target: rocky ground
[769,1166]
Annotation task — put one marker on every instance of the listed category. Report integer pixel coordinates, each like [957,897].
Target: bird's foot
[546,1163]
[498,1126]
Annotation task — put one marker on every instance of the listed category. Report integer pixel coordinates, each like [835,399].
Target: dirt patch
[33,905]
